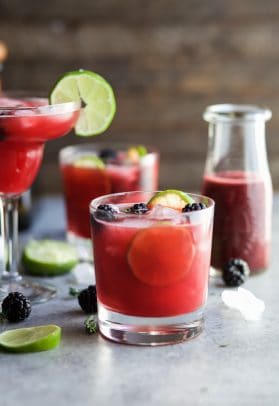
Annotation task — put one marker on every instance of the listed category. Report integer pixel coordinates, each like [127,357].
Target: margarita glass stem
[9,239]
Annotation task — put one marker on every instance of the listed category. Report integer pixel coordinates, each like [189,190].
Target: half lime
[49,257]
[31,339]
[97,99]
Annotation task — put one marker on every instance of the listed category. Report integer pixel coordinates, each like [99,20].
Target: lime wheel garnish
[161,256]
[174,199]
[96,97]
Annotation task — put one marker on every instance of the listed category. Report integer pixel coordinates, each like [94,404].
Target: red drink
[23,133]
[26,123]
[123,291]
[152,265]
[82,183]
[242,217]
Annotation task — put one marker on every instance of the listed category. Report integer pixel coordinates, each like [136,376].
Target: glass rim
[97,146]
[41,110]
[229,112]
[95,202]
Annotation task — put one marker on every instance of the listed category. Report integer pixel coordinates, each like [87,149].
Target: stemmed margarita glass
[26,123]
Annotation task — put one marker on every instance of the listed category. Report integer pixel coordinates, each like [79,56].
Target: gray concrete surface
[234,362]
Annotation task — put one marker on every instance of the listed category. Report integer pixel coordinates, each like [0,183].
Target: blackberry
[106,212]
[16,307]
[139,208]
[108,154]
[193,207]
[235,272]
[87,299]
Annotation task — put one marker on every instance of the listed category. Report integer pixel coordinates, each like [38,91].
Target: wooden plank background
[166,59]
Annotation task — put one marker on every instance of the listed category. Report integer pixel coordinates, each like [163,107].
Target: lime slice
[49,257]
[149,255]
[141,149]
[175,199]
[31,339]
[89,161]
[96,97]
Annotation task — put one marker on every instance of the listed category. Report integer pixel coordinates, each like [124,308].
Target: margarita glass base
[83,246]
[151,331]
[37,292]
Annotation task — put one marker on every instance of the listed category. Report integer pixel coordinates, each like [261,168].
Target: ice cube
[161,213]
[244,301]
[23,112]
[84,274]
[9,102]
[134,221]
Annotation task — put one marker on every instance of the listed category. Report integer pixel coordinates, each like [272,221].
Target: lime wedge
[49,257]
[141,150]
[31,339]
[96,97]
[175,199]
[135,153]
[89,161]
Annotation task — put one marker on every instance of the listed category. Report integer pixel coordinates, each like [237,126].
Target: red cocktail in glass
[26,123]
[151,269]
[83,181]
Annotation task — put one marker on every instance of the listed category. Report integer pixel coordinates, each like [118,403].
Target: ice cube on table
[84,273]
[245,301]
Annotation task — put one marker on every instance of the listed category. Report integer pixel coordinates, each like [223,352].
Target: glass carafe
[237,177]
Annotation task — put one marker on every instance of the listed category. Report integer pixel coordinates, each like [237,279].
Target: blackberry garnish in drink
[235,272]
[16,307]
[108,154]
[138,208]
[107,212]
[193,207]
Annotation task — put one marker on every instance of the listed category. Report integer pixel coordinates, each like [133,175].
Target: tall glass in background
[237,177]
[84,181]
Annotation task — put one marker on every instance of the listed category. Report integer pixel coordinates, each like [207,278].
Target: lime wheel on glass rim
[98,105]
